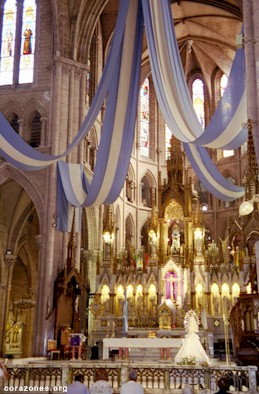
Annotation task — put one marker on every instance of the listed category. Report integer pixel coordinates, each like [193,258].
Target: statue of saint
[175,247]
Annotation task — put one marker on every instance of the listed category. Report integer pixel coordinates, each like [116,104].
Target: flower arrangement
[189,360]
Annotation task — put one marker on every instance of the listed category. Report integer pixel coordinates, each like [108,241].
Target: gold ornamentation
[174,210]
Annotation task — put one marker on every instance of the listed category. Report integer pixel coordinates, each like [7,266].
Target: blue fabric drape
[119,84]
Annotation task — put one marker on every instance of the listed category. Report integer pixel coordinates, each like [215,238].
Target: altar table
[124,344]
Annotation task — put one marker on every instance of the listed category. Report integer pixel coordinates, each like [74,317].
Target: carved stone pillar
[21,129]
[81,76]
[251,29]
[5,289]
[43,134]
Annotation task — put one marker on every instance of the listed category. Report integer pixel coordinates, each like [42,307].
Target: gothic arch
[147,184]
[28,259]
[12,108]
[30,108]
[7,172]
[61,30]
[87,22]
[130,236]
[130,184]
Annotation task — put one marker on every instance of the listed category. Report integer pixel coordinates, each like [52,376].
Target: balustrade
[156,378]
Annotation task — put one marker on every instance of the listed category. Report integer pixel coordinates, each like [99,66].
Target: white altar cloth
[158,343]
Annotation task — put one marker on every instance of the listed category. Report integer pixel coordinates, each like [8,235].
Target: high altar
[131,292]
[177,268]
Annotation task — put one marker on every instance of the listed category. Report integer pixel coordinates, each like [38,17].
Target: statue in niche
[152,243]
[216,304]
[194,193]
[140,303]
[224,246]
[226,304]
[175,247]
[198,241]
[153,248]
[120,305]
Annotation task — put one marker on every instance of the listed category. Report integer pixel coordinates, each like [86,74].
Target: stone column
[70,71]
[38,291]
[82,112]
[5,289]
[21,129]
[17,49]
[251,31]
[43,134]
[47,263]
[207,292]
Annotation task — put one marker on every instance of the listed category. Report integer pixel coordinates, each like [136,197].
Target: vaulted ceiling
[206,31]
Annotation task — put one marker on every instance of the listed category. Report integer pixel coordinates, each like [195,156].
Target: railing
[156,378]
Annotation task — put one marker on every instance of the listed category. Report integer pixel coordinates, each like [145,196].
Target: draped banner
[72,191]
[16,151]
[210,177]
[119,84]
[172,91]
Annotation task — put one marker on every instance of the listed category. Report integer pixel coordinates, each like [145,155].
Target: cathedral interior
[166,244]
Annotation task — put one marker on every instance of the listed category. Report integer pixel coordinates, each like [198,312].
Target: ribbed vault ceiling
[206,32]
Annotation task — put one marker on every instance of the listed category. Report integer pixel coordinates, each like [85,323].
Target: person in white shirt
[132,386]
[78,387]
[101,384]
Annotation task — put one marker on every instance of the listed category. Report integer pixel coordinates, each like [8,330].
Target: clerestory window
[18,32]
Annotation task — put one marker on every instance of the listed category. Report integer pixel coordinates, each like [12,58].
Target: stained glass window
[18,67]
[168,136]
[198,100]
[27,42]
[223,84]
[144,118]
[7,44]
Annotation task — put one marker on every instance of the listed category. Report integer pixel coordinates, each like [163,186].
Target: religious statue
[153,243]
[175,247]
[224,246]
[198,241]
[216,303]
[191,350]
[194,193]
[152,248]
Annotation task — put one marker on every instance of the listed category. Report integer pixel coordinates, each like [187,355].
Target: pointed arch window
[7,42]
[144,118]
[27,42]
[223,84]
[168,140]
[36,130]
[198,100]
[18,42]
[15,123]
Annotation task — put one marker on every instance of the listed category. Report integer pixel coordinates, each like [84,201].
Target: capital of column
[10,260]
[39,240]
